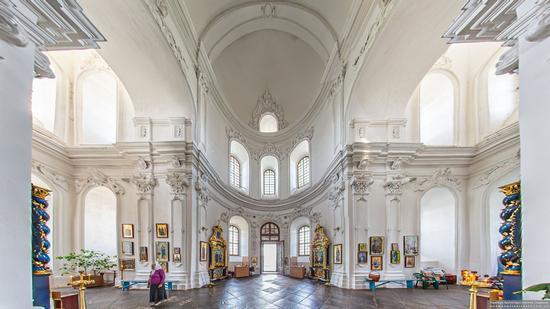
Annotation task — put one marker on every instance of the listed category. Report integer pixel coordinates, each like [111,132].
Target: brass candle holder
[80,284]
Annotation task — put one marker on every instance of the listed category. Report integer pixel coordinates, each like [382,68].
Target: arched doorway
[100,225]
[271,260]
[438,245]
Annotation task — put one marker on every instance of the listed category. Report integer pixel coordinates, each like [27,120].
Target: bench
[374,284]
[126,284]
[428,280]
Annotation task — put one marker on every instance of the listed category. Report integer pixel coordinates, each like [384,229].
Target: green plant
[86,260]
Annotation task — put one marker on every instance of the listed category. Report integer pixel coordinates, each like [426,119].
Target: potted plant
[88,261]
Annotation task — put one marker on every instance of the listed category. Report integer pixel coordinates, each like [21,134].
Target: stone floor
[274,291]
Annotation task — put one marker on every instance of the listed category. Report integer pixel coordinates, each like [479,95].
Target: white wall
[535,127]
[100,221]
[438,229]
[16,72]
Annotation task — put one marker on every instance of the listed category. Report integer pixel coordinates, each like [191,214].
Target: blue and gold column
[40,246]
[510,244]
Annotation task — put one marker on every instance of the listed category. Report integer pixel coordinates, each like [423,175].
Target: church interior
[274,153]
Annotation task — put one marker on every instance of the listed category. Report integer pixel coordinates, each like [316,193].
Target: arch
[438,108]
[295,227]
[293,18]
[268,123]
[44,101]
[492,205]
[242,225]
[502,95]
[269,163]
[238,151]
[97,107]
[439,228]
[270,232]
[300,151]
[100,220]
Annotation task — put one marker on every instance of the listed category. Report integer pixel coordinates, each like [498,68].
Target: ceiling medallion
[267,105]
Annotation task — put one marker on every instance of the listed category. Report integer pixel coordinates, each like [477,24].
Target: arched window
[44,97]
[269,182]
[269,231]
[269,123]
[502,97]
[437,105]
[303,240]
[239,166]
[234,172]
[100,221]
[98,108]
[234,240]
[299,167]
[303,172]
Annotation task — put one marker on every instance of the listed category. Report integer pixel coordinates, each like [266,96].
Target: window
[98,108]
[269,231]
[437,96]
[269,182]
[303,240]
[303,172]
[44,102]
[234,172]
[234,237]
[268,124]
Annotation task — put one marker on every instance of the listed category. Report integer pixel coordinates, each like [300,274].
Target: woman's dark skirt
[156,294]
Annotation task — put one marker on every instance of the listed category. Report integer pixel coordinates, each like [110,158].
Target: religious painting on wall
[410,245]
[362,247]
[143,254]
[127,231]
[337,254]
[127,264]
[163,249]
[376,262]
[164,266]
[362,257]
[395,257]
[395,246]
[128,247]
[162,230]
[203,251]
[410,261]
[177,255]
[376,245]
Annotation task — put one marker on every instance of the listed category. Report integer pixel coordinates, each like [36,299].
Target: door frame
[279,259]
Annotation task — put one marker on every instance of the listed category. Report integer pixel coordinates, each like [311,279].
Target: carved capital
[145,183]
[361,184]
[178,182]
[395,184]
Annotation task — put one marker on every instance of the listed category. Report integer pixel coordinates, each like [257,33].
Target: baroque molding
[306,135]
[541,25]
[395,184]
[97,178]
[361,184]
[266,104]
[10,30]
[178,182]
[201,187]
[50,175]
[144,182]
[496,171]
[337,190]
[269,149]
[440,177]
[234,134]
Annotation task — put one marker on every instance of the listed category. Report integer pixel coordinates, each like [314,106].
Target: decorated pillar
[510,244]
[359,258]
[40,246]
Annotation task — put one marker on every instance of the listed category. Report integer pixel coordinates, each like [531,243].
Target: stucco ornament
[10,31]
[267,105]
[361,184]
[178,182]
[97,178]
[201,186]
[442,176]
[144,182]
[541,26]
[395,184]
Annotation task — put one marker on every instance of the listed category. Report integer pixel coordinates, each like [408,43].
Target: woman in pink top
[157,293]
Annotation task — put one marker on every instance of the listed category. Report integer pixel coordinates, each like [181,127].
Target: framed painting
[143,254]
[362,257]
[177,255]
[203,251]
[128,247]
[362,247]
[164,266]
[127,231]
[337,254]
[162,230]
[395,257]
[127,264]
[163,249]
[410,245]
[395,246]
[376,245]
[410,261]
[376,262]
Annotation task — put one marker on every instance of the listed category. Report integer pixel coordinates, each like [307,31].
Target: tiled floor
[274,291]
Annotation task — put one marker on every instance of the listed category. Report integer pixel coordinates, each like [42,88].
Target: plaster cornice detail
[10,30]
[178,182]
[266,104]
[496,171]
[269,149]
[95,177]
[395,184]
[361,184]
[441,177]
[50,175]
